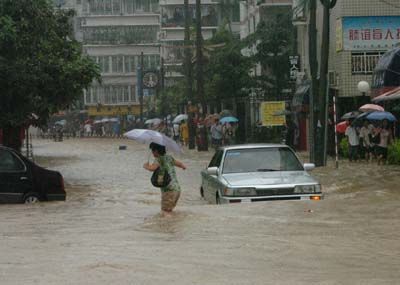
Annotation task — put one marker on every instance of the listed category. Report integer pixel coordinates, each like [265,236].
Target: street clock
[150,79]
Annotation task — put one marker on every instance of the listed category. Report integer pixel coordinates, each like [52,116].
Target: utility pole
[199,58]
[312,38]
[189,74]
[140,85]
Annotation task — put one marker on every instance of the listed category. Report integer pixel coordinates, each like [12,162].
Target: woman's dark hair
[157,147]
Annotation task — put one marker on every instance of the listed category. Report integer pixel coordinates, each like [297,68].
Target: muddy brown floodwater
[109,230]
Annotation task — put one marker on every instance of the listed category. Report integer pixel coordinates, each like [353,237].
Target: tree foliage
[272,43]
[228,71]
[42,67]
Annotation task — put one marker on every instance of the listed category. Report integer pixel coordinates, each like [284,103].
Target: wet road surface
[109,230]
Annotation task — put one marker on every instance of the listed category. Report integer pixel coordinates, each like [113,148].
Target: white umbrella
[155,121]
[149,136]
[180,118]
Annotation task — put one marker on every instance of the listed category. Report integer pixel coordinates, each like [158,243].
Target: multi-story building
[361,31]
[114,33]
[172,34]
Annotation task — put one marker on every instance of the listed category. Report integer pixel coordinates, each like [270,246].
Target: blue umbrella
[379,116]
[229,120]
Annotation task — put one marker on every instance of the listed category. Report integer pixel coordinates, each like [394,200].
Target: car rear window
[9,162]
[261,160]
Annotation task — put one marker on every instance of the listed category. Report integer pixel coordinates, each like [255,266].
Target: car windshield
[261,160]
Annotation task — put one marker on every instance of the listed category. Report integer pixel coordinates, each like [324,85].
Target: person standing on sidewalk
[354,141]
[216,134]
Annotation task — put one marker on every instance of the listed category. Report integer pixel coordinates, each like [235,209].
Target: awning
[388,96]
[301,97]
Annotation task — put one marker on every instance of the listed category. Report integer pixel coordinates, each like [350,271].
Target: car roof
[253,145]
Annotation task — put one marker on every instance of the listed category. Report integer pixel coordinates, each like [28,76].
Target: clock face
[150,79]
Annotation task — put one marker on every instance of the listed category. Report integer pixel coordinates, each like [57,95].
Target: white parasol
[149,136]
[180,118]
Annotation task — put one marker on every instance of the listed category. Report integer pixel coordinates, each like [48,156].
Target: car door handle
[23,178]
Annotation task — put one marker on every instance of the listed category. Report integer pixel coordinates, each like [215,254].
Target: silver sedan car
[257,172]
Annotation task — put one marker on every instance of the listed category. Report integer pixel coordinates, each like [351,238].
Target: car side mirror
[309,166]
[212,170]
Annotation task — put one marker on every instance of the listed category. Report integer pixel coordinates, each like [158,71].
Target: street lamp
[363,87]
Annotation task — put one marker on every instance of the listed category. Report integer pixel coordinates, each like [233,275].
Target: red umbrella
[89,121]
[341,127]
[371,108]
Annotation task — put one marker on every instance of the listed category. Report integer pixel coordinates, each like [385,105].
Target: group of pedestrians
[369,142]
[216,134]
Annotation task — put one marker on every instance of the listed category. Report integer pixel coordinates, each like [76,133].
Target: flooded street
[109,230]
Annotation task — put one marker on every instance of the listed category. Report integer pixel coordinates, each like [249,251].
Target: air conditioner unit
[332,78]
[161,35]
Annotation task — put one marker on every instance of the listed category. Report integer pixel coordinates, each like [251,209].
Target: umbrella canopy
[89,121]
[61,122]
[226,113]
[180,118]
[149,136]
[367,108]
[341,127]
[379,116]
[155,121]
[229,120]
[350,115]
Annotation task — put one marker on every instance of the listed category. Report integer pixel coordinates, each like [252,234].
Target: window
[111,94]
[117,64]
[216,160]
[130,63]
[260,159]
[9,162]
[364,62]
[120,35]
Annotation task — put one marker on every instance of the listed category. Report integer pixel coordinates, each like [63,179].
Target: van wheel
[217,199]
[201,192]
[31,198]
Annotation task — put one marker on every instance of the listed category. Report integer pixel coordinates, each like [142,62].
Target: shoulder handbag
[161,177]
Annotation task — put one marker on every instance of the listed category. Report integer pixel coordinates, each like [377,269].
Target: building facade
[114,33]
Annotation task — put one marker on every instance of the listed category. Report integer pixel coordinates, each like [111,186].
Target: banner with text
[272,113]
[367,33]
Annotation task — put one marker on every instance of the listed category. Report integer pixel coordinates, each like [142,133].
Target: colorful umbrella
[379,116]
[229,120]
[341,127]
[367,108]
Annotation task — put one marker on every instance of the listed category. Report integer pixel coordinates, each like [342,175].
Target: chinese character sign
[370,33]
[272,113]
[339,35]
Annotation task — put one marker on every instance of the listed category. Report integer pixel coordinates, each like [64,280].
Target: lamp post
[363,88]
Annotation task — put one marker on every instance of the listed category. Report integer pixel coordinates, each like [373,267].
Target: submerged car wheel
[31,198]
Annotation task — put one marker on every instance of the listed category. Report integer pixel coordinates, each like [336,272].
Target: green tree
[42,67]
[273,44]
[227,71]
